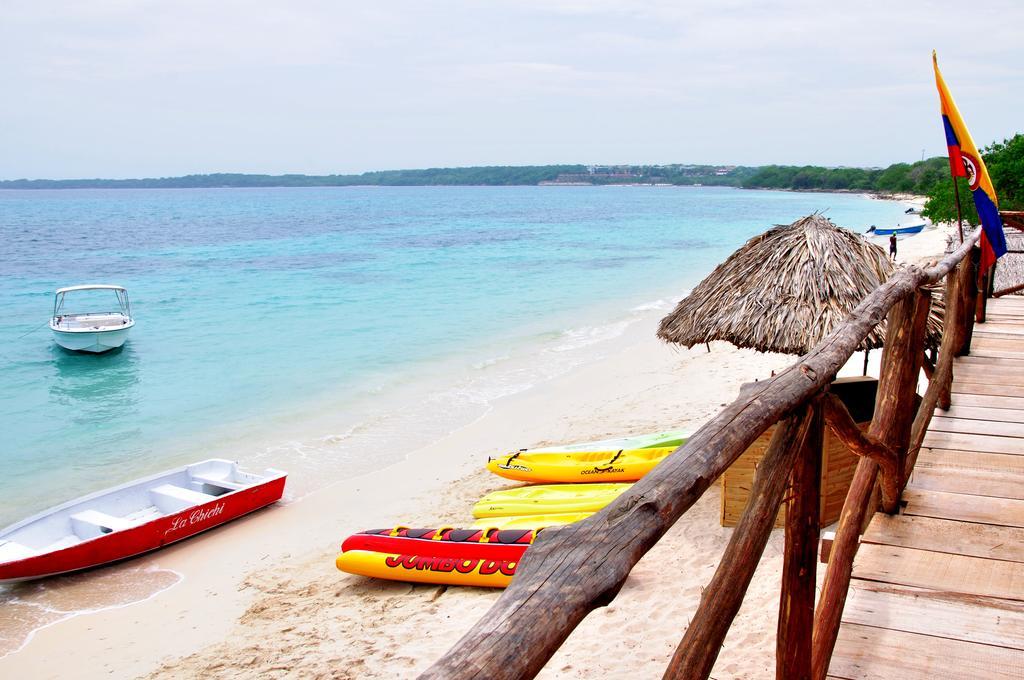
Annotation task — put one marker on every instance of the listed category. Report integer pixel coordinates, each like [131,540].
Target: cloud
[128,88]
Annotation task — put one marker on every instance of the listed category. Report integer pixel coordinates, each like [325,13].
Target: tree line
[485,175]
[929,177]
[907,178]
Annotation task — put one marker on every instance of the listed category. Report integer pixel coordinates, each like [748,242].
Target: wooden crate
[837,465]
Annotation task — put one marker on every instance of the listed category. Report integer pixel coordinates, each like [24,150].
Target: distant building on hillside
[599,174]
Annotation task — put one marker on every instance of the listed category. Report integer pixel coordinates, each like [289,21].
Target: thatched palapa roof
[784,290]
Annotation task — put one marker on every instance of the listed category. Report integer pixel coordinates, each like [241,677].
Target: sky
[111,88]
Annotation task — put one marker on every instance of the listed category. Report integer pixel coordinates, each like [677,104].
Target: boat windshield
[89,301]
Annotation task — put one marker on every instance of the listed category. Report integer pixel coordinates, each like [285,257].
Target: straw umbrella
[785,290]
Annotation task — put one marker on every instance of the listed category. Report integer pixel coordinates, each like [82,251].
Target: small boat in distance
[899,230]
[134,518]
[91,331]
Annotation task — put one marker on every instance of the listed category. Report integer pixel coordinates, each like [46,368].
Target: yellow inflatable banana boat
[451,571]
[549,499]
[624,465]
[530,521]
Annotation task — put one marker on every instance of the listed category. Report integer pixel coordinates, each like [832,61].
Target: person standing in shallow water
[892,246]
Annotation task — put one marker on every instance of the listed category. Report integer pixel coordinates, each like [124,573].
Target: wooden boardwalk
[938,590]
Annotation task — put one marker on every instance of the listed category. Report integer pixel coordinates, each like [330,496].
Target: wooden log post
[695,656]
[829,612]
[949,346]
[799,566]
[862,443]
[938,392]
[984,292]
[979,297]
[928,366]
[569,571]
[895,404]
[890,425]
[940,383]
[968,286]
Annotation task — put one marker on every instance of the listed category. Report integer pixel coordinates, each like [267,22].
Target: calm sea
[327,331]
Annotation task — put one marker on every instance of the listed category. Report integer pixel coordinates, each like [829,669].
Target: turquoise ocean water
[327,331]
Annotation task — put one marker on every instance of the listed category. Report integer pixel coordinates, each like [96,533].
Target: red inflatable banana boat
[476,557]
[507,544]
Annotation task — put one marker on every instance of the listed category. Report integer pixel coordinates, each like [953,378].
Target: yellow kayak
[530,521]
[624,465]
[453,571]
[548,499]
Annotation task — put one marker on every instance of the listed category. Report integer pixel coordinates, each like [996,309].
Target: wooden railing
[571,570]
[1013,219]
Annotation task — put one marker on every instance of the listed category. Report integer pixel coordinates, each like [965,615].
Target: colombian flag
[965,161]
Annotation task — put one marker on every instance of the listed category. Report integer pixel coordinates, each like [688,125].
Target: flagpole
[959,216]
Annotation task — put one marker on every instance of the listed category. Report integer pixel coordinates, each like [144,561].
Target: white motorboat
[86,331]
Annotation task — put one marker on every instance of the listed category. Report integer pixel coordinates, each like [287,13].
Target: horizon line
[304,175]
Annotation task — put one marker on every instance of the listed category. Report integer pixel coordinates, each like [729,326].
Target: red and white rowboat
[134,518]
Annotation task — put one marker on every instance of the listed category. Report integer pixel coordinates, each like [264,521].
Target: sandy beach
[261,597]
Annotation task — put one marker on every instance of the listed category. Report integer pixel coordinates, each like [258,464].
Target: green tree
[896,178]
[1005,162]
[941,204]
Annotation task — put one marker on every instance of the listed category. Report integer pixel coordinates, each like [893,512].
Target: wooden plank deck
[938,590]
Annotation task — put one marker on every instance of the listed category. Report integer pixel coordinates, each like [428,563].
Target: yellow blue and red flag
[965,161]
